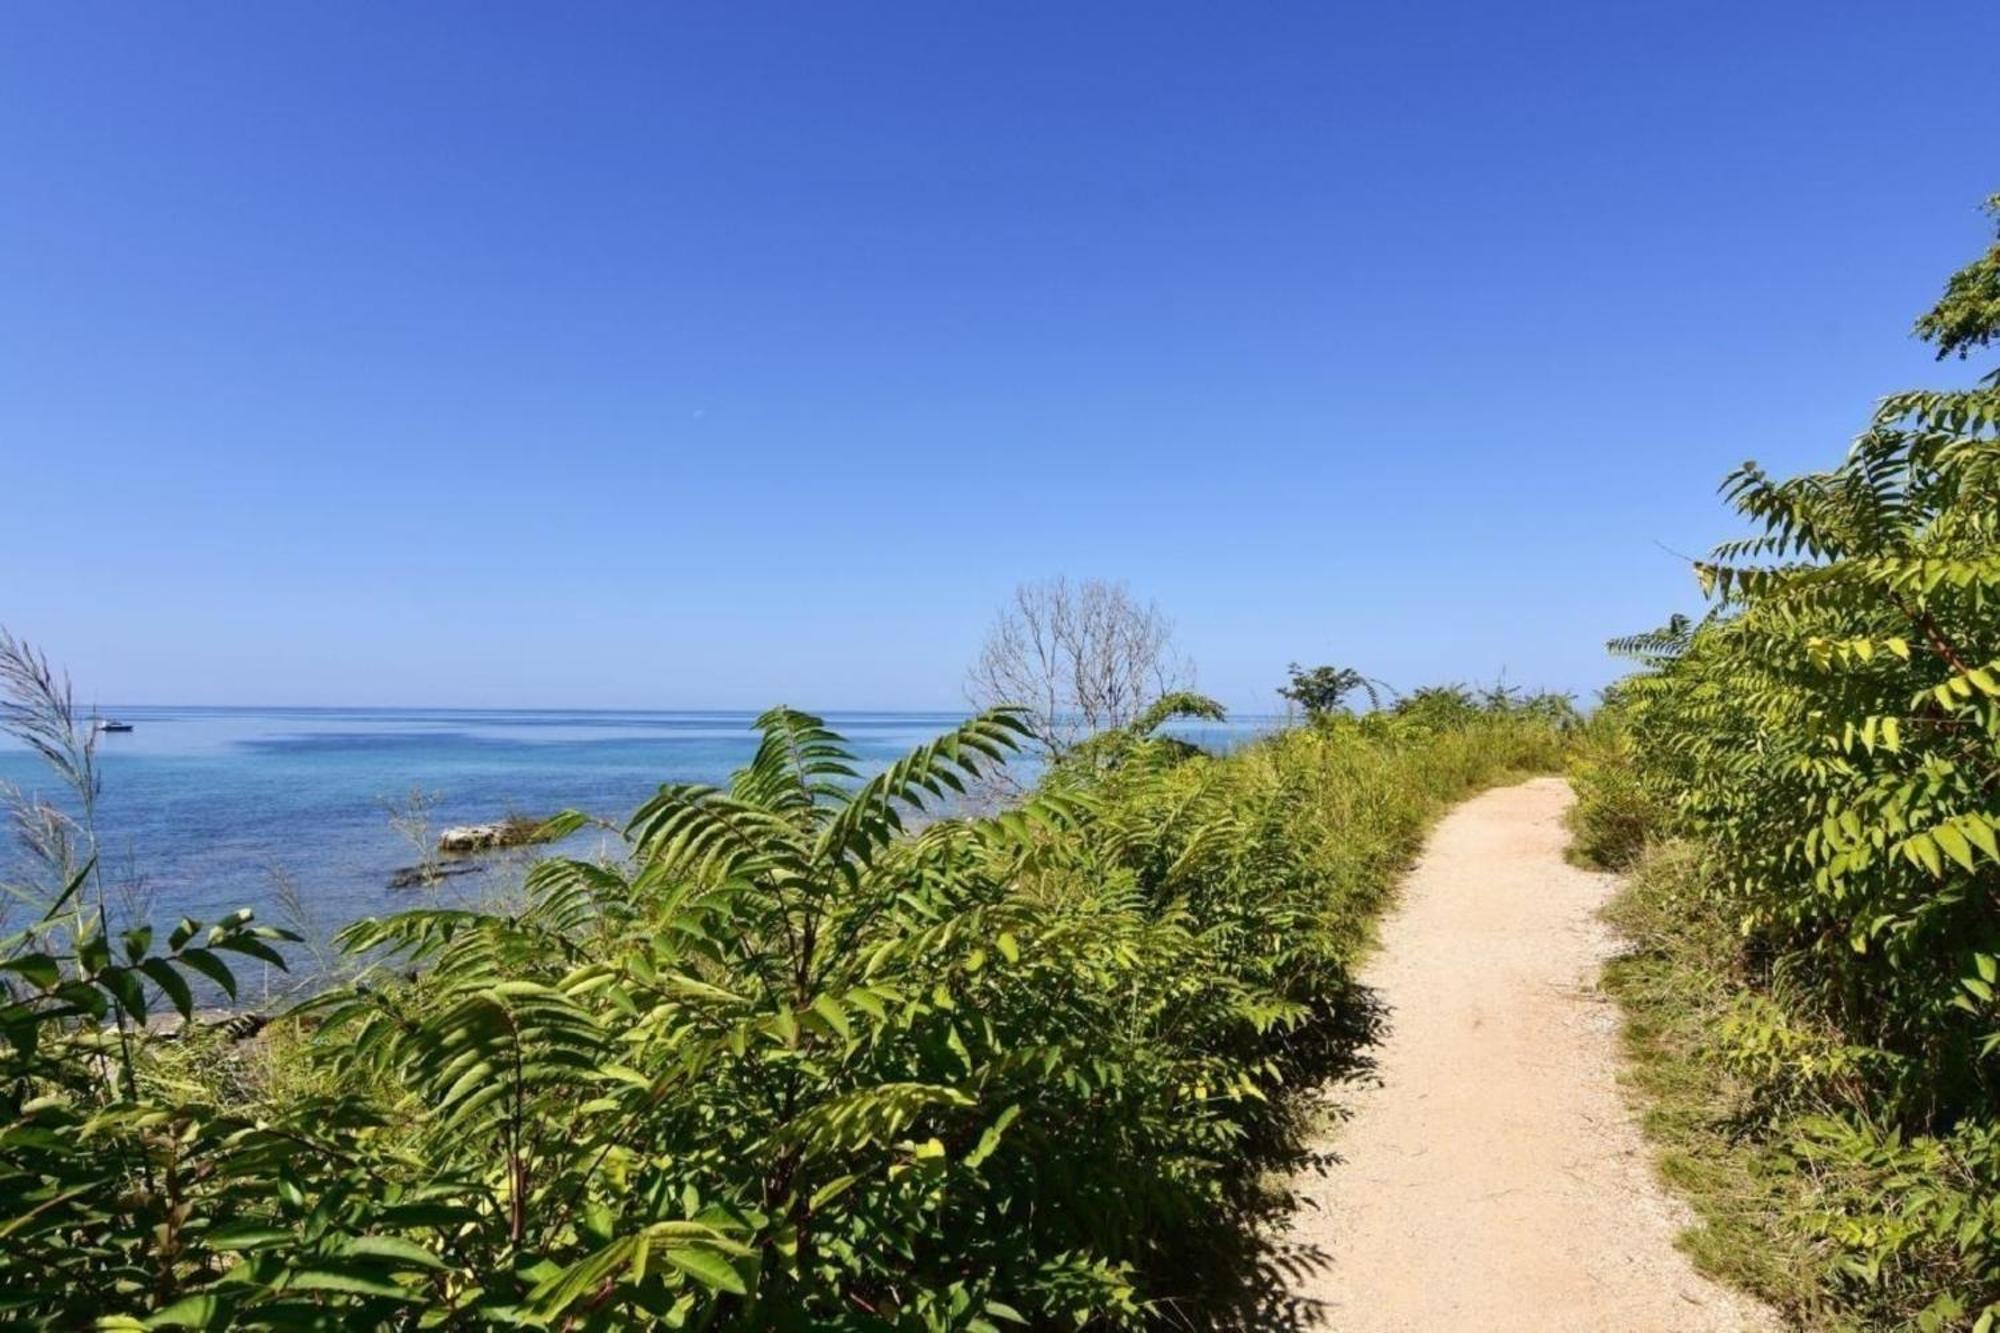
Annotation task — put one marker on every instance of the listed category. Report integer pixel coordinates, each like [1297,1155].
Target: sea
[305,815]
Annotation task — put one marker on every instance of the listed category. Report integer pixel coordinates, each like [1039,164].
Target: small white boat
[113,724]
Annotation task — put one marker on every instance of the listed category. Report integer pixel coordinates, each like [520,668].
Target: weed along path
[1489,1175]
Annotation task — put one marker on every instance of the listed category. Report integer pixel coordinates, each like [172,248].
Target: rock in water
[472,838]
[416,877]
[513,831]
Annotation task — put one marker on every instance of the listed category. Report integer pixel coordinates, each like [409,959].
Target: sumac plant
[814,1050]
[1831,728]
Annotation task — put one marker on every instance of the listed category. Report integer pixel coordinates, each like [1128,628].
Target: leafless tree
[411,817]
[1080,658]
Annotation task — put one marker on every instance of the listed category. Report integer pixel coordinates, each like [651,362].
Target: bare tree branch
[1081,658]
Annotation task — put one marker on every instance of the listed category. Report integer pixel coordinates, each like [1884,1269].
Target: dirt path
[1491,1177]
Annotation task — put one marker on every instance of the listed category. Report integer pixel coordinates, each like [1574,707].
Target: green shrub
[1762,1119]
[1830,731]
[1615,813]
[1436,708]
[785,1065]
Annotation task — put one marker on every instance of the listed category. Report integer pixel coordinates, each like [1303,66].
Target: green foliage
[1114,745]
[1831,729]
[1322,689]
[1968,315]
[1615,812]
[1431,709]
[815,1054]
[1683,982]
[95,1167]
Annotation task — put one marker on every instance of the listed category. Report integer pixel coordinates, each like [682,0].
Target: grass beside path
[1714,1148]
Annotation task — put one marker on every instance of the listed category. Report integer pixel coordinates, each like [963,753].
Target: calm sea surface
[208,809]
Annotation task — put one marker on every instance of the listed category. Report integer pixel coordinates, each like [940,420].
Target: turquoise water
[208,809]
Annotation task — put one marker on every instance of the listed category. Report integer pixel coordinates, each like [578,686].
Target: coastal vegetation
[1808,779]
[1324,689]
[819,1051]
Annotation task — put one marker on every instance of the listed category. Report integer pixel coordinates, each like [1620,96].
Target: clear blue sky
[663,354]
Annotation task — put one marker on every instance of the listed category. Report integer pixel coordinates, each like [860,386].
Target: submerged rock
[238,1025]
[415,877]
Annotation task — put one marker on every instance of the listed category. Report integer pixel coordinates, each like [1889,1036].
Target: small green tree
[1321,689]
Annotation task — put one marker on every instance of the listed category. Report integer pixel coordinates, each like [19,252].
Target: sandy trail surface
[1490,1174]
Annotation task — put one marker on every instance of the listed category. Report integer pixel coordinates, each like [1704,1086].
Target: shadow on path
[1238,1270]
